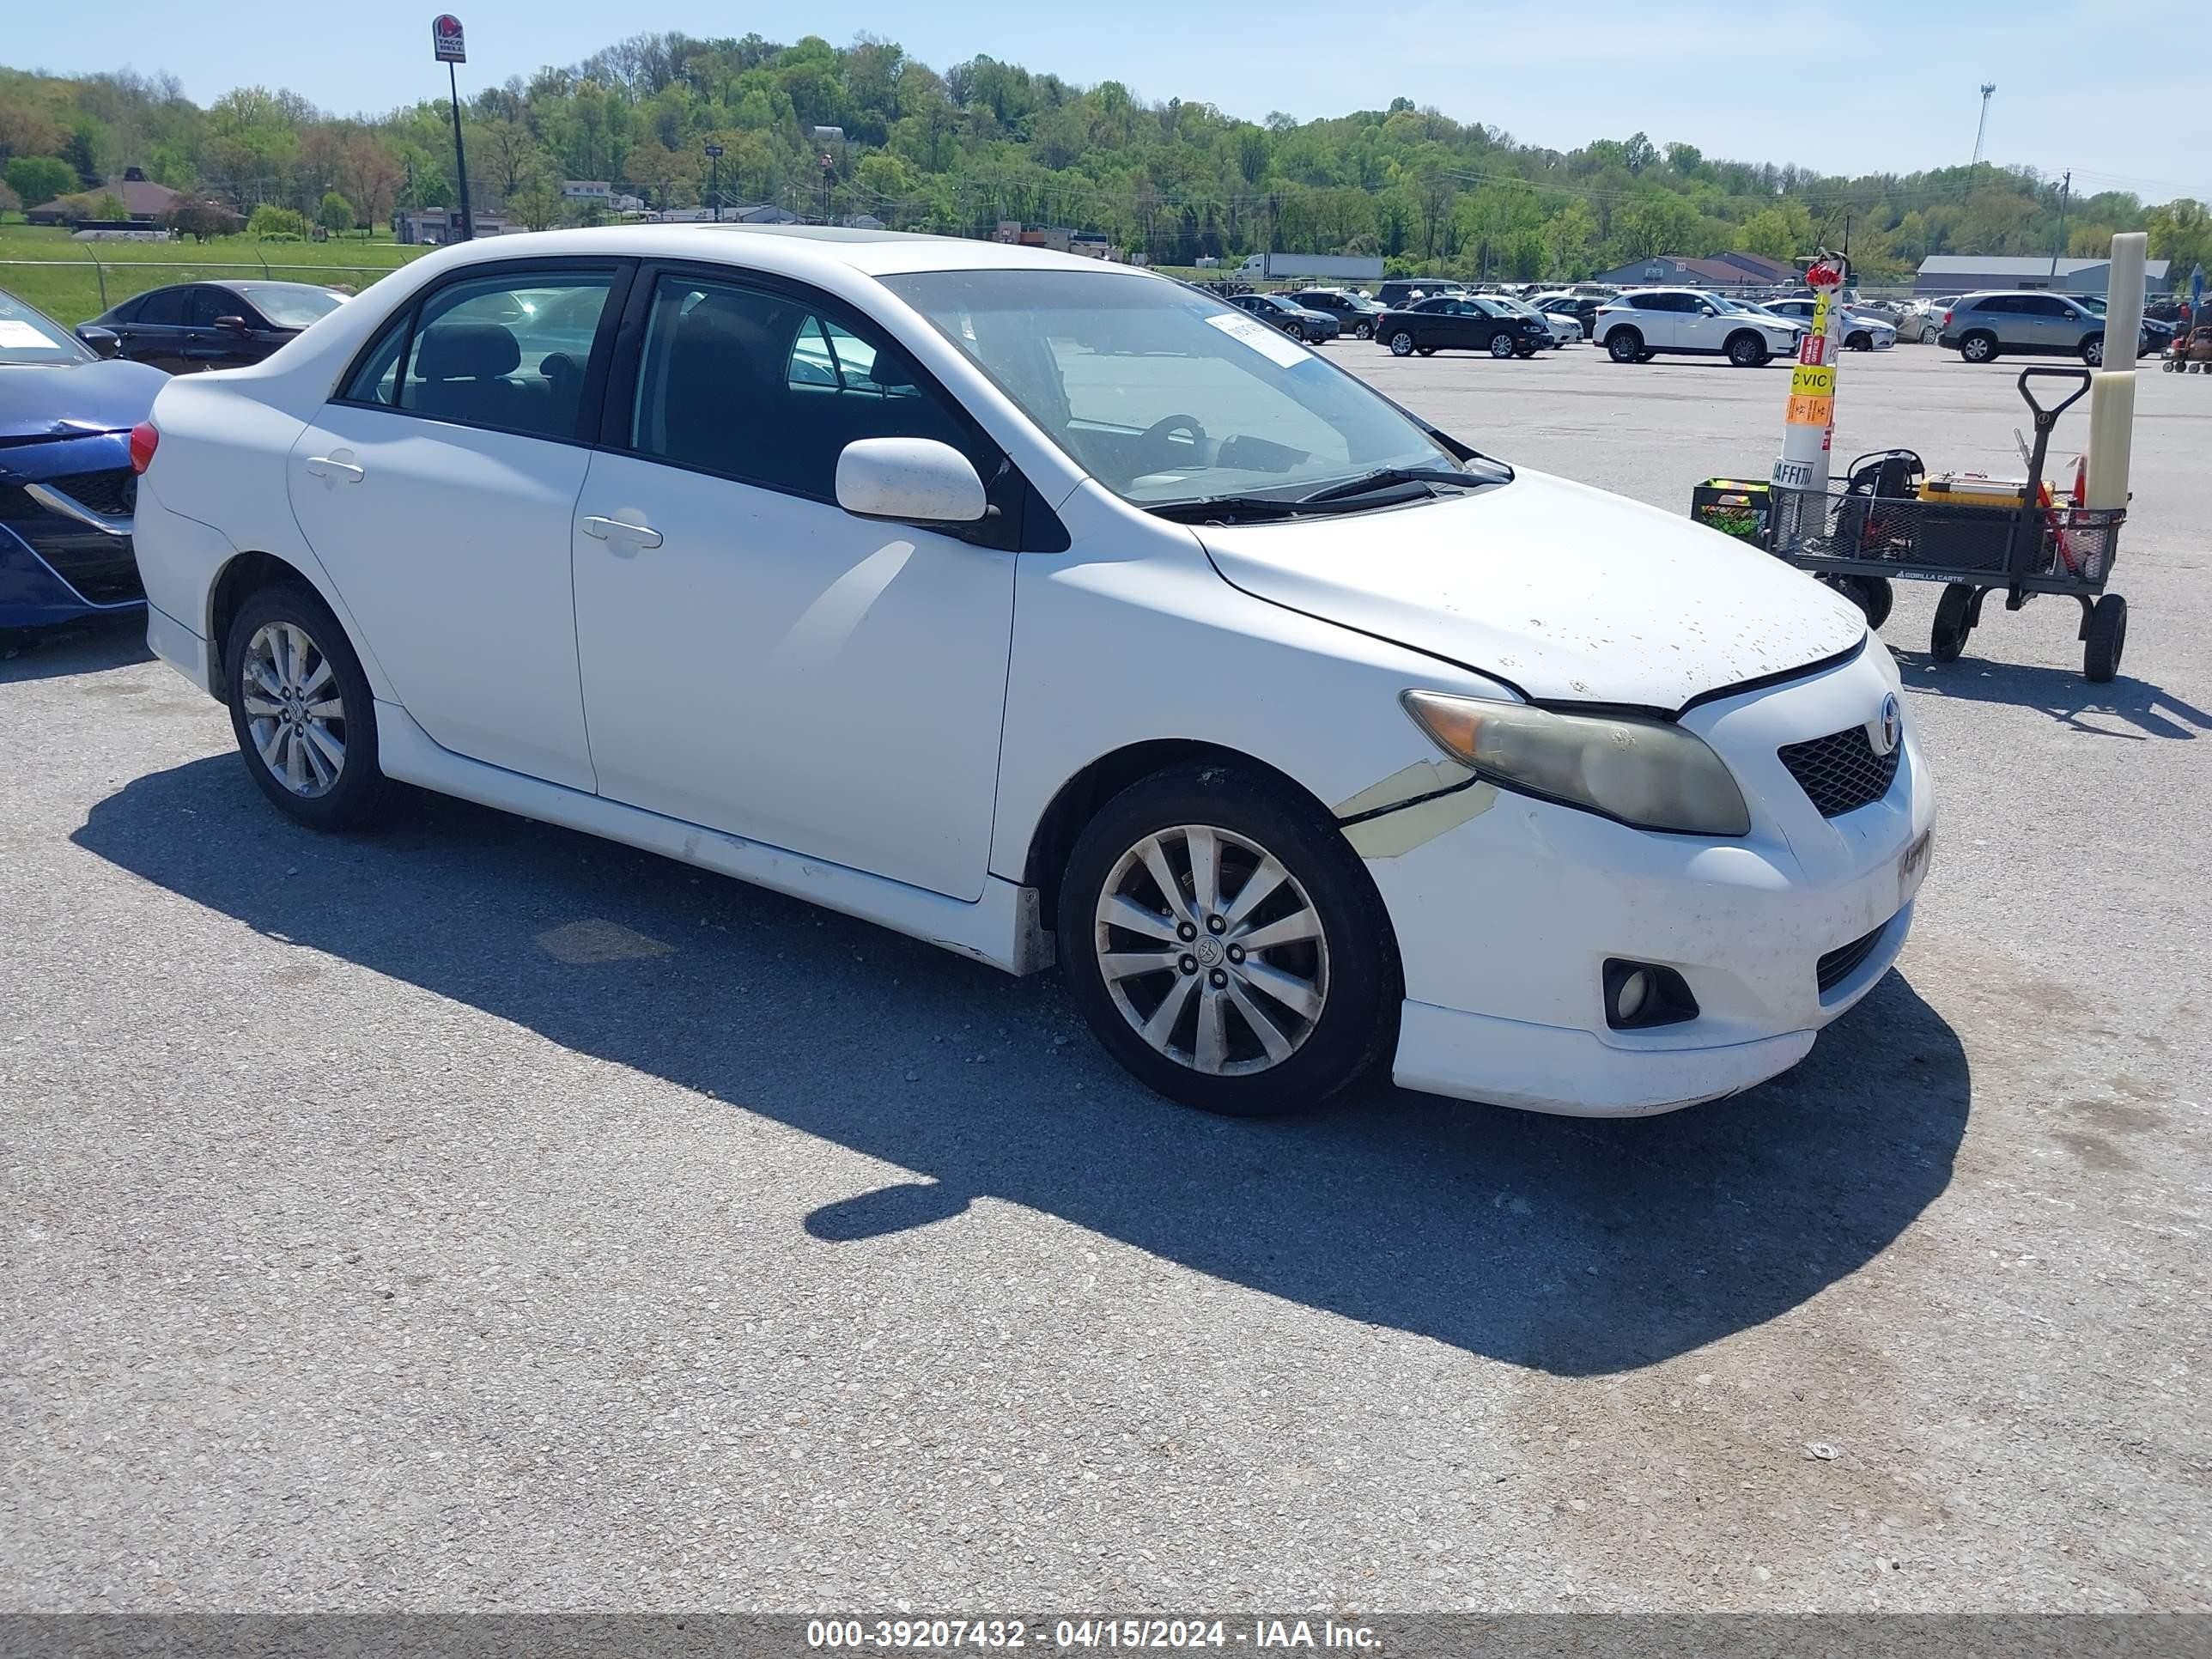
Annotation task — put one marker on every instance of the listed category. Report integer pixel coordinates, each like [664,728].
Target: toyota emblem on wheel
[1893,726]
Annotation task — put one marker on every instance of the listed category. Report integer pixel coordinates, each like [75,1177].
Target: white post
[1809,418]
[2112,393]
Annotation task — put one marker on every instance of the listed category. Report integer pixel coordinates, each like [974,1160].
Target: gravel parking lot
[477,1215]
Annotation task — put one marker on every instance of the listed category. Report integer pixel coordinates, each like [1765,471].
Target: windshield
[1161,392]
[289,306]
[32,336]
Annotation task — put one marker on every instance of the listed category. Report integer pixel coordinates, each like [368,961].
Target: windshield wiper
[1224,509]
[1390,477]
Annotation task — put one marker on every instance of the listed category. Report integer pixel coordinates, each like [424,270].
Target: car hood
[50,400]
[1568,593]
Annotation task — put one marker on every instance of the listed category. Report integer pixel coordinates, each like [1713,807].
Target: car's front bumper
[1506,919]
[34,593]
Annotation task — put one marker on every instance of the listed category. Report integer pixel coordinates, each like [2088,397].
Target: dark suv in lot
[1355,313]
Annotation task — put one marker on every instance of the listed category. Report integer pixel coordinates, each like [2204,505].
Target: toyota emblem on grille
[1891,731]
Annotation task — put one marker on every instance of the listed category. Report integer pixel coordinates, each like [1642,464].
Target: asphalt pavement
[477,1215]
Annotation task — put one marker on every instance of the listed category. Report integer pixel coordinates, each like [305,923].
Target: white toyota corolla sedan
[1039,608]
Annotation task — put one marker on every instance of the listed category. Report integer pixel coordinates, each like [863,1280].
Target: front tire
[1401,344]
[1225,944]
[1748,351]
[1861,342]
[301,709]
[2105,636]
[1364,331]
[1501,345]
[2092,352]
[1954,620]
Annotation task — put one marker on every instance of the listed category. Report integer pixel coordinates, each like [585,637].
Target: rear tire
[1979,348]
[2106,639]
[301,710]
[1623,345]
[1191,1027]
[1954,622]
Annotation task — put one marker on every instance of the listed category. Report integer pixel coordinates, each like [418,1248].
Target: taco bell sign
[445,40]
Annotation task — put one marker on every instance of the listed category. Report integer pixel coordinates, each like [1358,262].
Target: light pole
[714,179]
[446,42]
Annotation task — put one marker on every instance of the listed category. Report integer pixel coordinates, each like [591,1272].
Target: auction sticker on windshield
[13,333]
[1270,343]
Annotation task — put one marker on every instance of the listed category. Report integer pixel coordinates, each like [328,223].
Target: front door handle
[621,530]
[332,466]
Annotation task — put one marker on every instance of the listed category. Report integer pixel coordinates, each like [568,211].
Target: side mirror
[104,341]
[231,324]
[911,480]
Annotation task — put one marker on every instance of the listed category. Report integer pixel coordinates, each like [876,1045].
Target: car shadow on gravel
[1570,1246]
[86,647]
[2060,693]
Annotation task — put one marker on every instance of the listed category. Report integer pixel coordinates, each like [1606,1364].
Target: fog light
[1629,998]
[1638,994]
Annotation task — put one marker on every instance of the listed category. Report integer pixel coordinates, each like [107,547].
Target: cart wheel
[2107,637]
[1872,595]
[1954,622]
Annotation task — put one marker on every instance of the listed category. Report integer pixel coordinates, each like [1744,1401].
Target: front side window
[762,388]
[1160,392]
[209,303]
[507,351]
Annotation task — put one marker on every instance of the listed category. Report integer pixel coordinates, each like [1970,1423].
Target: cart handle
[2046,418]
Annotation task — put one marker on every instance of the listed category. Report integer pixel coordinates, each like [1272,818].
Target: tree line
[837,132]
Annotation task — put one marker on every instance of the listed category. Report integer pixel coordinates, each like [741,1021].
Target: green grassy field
[43,267]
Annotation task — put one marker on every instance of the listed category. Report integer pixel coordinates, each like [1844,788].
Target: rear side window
[761,387]
[507,351]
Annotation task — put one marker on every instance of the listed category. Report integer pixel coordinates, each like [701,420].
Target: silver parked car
[1981,326]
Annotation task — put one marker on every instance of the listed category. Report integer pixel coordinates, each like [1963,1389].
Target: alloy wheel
[294,715]
[1213,952]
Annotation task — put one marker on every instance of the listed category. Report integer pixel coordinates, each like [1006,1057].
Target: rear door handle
[621,530]
[329,466]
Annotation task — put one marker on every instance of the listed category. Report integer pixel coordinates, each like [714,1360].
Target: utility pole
[446,42]
[2065,193]
[1847,233]
[1982,126]
[714,179]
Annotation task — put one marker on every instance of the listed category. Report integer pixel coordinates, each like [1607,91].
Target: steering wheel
[1159,452]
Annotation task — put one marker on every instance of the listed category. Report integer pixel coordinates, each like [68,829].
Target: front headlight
[1647,773]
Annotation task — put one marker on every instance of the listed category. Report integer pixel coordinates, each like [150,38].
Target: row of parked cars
[69,399]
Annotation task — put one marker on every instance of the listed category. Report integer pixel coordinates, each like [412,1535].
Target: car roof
[794,250]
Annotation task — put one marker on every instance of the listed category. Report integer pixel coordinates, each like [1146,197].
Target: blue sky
[2084,85]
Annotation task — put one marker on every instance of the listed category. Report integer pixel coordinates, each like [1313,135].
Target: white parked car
[1640,325]
[1037,608]
[1861,331]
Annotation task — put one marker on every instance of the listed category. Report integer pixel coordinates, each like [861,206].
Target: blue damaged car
[66,483]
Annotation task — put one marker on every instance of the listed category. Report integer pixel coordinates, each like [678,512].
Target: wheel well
[1082,795]
[242,578]
[1619,329]
[1750,334]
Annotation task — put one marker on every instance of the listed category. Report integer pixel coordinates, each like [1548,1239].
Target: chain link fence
[75,290]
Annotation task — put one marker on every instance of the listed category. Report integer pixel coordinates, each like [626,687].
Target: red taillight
[1947,320]
[144,440]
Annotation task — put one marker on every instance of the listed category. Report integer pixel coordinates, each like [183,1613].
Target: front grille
[1840,963]
[1840,771]
[100,568]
